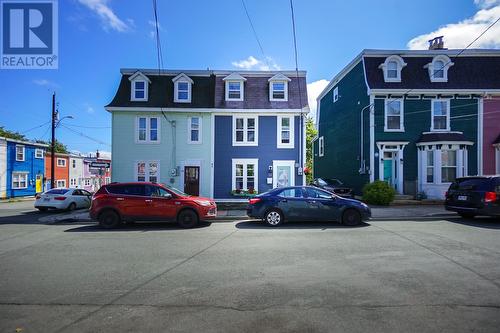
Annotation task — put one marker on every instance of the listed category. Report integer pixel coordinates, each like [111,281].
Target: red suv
[118,202]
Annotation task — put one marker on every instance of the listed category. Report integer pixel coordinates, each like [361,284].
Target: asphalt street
[412,275]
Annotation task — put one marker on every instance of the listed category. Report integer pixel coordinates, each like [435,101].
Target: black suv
[471,196]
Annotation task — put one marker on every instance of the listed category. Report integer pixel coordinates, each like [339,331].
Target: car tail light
[253,201]
[446,194]
[60,198]
[490,197]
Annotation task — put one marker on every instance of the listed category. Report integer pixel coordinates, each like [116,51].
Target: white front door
[283,173]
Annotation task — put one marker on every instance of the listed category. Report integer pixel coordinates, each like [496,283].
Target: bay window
[430,167]
[448,166]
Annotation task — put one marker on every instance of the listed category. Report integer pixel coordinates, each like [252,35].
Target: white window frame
[73,163]
[279,128]
[72,182]
[19,174]
[447,64]
[176,92]
[428,166]
[23,148]
[456,167]
[245,141]
[148,130]
[289,163]
[133,90]
[321,146]
[447,114]
[146,171]
[335,94]
[63,181]
[497,159]
[400,65]
[271,91]
[401,115]
[38,153]
[190,128]
[245,162]
[87,182]
[63,165]
[242,90]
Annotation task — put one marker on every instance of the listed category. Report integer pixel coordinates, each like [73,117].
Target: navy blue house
[22,168]
[258,132]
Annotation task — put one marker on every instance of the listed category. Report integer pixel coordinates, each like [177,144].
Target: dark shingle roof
[497,141]
[468,72]
[440,137]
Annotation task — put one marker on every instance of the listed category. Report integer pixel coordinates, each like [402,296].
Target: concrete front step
[403,197]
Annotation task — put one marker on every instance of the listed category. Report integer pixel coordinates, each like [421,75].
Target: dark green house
[411,118]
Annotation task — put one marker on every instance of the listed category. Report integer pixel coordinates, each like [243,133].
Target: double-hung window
[194,130]
[61,162]
[148,130]
[147,171]
[394,115]
[321,146]
[392,70]
[438,69]
[430,166]
[335,94]
[448,166]
[245,174]
[234,90]
[279,91]
[38,153]
[182,92]
[245,131]
[19,180]
[285,131]
[20,153]
[440,115]
[139,90]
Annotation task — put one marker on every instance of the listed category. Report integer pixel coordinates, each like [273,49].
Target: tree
[58,147]
[11,135]
[311,132]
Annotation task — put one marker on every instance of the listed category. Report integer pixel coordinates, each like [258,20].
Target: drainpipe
[362,166]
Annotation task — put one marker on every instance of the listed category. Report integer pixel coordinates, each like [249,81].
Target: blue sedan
[306,203]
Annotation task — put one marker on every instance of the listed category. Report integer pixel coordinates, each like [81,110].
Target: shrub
[378,193]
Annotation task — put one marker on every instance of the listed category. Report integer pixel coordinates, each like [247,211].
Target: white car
[63,198]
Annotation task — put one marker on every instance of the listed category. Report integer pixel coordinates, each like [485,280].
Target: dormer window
[182,88]
[139,87]
[438,68]
[392,67]
[278,88]
[234,87]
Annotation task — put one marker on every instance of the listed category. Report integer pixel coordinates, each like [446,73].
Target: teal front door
[388,171]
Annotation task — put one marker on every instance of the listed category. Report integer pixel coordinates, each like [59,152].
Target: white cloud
[108,17]
[252,63]
[152,33]
[313,90]
[45,83]
[459,35]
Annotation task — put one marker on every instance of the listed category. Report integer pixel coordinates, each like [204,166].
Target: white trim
[206,73]
[400,64]
[138,74]
[133,90]
[304,151]
[448,115]
[245,141]
[436,91]
[401,115]
[245,162]
[24,153]
[497,160]
[262,112]
[148,130]
[480,138]
[24,174]
[189,129]
[146,170]
[446,63]
[182,78]
[61,165]
[288,163]
[335,94]
[398,158]
[63,181]
[321,146]
[212,153]
[372,138]
[285,92]
[279,143]
[38,150]
[242,90]
[190,163]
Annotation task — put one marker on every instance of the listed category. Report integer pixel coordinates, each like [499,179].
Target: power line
[86,136]
[34,128]
[94,127]
[255,34]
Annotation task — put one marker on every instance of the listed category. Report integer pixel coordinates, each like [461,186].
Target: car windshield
[333,182]
[57,191]
[177,191]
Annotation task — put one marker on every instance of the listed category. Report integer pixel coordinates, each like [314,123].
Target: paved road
[387,276]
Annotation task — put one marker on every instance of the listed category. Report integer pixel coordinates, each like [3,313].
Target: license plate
[462,197]
[46,199]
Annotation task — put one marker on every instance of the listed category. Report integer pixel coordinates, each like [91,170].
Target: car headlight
[203,203]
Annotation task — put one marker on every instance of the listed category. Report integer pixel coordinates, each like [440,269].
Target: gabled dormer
[438,68]
[392,67]
[139,86]
[235,87]
[182,88]
[278,88]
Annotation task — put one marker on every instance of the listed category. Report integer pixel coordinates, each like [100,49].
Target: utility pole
[52,143]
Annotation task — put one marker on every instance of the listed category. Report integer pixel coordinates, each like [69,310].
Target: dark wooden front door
[192,180]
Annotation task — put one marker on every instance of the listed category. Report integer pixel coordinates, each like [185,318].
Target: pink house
[491,135]
[92,180]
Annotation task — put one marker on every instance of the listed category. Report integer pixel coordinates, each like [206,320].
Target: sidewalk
[378,213]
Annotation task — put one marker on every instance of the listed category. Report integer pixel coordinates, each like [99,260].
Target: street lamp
[55,123]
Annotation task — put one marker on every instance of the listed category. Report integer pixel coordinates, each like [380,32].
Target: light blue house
[22,168]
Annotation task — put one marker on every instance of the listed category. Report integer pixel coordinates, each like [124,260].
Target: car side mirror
[167,196]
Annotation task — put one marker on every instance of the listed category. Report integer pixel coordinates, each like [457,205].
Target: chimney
[436,43]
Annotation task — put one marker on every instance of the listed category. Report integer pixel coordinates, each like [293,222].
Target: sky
[98,37]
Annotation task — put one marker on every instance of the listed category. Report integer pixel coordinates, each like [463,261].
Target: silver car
[63,198]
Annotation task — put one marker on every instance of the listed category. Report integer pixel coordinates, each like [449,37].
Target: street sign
[100,164]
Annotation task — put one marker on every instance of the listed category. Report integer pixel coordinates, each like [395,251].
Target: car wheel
[43,209]
[467,215]
[72,206]
[109,219]
[351,217]
[273,218]
[187,219]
